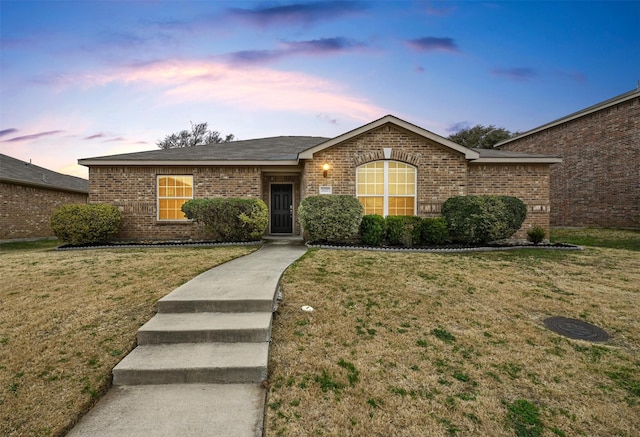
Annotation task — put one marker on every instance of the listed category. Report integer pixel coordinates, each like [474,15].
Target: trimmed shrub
[330,218]
[229,219]
[403,230]
[536,235]
[482,219]
[86,224]
[518,212]
[434,231]
[395,230]
[372,229]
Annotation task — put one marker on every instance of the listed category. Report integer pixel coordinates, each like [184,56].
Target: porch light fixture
[325,169]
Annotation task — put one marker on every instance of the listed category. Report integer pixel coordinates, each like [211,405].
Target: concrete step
[165,328]
[176,304]
[191,363]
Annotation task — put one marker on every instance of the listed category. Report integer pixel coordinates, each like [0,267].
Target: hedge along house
[393,167]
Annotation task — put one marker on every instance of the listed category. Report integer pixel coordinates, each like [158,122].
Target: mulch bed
[510,245]
[142,244]
[496,246]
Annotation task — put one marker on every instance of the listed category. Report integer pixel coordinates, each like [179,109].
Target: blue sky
[90,78]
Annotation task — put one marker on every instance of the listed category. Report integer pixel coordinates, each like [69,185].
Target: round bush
[482,219]
[372,229]
[434,231]
[86,224]
[403,230]
[330,218]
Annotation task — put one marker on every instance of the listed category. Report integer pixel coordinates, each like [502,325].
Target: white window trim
[385,196]
[158,196]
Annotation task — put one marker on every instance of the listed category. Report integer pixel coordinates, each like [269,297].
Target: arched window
[387,188]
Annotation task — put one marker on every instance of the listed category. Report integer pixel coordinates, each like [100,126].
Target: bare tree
[200,135]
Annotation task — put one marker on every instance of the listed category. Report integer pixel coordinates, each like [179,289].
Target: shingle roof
[284,148]
[20,172]
[633,94]
[288,150]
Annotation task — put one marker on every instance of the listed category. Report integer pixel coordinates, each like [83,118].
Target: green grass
[29,245]
[598,237]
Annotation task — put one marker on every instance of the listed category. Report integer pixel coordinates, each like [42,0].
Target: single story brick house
[28,196]
[598,181]
[393,167]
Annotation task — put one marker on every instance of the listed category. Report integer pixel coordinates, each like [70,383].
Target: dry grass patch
[67,318]
[413,344]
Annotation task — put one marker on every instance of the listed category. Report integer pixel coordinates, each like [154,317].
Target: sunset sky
[81,79]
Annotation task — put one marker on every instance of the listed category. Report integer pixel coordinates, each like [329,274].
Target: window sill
[173,222]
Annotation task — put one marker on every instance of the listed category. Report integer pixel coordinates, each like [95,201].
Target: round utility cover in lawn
[576,329]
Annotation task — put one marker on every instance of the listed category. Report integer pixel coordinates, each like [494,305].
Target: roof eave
[548,160]
[237,163]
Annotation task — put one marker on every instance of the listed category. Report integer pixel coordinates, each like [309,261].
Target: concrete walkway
[200,362]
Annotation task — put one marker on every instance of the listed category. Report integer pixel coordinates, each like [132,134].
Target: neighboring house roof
[20,172]
[591,109]
[290,150]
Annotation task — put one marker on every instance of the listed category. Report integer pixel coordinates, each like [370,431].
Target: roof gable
[390,119]
[20,172]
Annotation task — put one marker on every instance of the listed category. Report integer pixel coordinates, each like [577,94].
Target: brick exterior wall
[442,173]
[529,183]
[598,182]
[133,190]
[25,211]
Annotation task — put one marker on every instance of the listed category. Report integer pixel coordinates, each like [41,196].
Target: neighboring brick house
[392,166]
[598,182]
[28,196]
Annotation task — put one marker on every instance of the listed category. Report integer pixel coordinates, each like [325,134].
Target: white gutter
[100,162]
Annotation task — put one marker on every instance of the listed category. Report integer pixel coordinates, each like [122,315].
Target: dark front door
[281,209]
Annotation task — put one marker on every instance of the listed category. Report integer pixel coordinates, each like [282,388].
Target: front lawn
[67,318]
[611,238]
[418,344]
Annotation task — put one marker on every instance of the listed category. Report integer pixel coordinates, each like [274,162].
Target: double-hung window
[173,192]
[387,188]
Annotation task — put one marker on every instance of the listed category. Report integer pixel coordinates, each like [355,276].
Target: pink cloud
[259,87]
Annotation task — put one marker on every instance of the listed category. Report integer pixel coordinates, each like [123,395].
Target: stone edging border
[443,250]
[329,247]
[160,245]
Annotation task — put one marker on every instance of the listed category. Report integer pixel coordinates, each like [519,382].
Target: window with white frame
[173,192]
[387,188]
